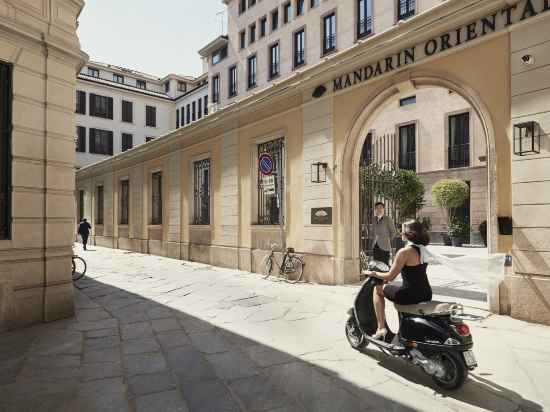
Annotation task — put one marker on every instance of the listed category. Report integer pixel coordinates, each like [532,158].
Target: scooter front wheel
[355,337]
[456,371]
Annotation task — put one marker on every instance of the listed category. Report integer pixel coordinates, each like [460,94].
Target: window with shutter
[80,102]
[150,116]
[81,139]
[101,141]
[127,111]
[5,149]
[127,141]
[124,202]
[156,198]
[101,106]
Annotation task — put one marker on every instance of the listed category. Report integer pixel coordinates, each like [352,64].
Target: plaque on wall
[321,216]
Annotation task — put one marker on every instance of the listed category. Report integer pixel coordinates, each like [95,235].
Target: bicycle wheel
[267,266]
[79,268]
[294,268]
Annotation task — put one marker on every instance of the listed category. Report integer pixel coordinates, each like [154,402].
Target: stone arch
[348,160]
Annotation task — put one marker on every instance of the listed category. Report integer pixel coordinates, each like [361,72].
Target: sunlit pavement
[156,334]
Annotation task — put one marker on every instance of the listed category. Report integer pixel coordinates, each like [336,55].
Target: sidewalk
[158,334]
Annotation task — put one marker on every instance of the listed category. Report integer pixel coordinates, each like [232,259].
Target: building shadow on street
[477,391]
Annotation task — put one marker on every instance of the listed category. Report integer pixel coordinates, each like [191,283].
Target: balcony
[364,27]
[459,156]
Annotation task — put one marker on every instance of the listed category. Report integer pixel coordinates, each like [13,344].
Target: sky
[157,37]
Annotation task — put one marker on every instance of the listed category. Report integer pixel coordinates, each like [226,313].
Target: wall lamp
[319,172]
[526,138]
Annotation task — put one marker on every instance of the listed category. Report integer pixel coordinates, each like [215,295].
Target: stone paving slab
[157,334]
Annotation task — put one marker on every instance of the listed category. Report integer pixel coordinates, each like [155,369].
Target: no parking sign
[265,164]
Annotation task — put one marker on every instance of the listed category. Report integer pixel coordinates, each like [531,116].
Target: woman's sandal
[380,334]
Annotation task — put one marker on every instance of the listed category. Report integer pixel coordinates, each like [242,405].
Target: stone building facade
[196,193]
[40,57]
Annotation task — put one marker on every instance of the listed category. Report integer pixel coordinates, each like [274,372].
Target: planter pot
[446,239]
[457,241]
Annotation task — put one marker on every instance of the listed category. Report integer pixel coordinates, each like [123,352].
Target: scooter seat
[429,308]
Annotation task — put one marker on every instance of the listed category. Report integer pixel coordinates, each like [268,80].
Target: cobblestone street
[157,334]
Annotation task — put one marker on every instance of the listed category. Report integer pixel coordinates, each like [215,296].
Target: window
[206,105]
[405,9]
[219,55]
[407,147]
[149,139]
[166,87]
[127,111]
[299,48]
[463,213]
[313,3]
[80,139]
[216,89]
[251,3]
[459,140]
[242,39]
[194,110]
[80,102]
[242,6]
[274,19]
[80,205]
[124,202]
[287,13]
[183,116]
[93,72]
[329,27]
[300,7]
[270,188]
[141,84]
[117,78]
[201,192]
[127,141]
[99,206]
[232,81]
[5,152]
[156,198]
[263,26]
[182,87]
[101,142]
[407,101]
[101,106]
[177,118]
[364,18]
[199,108]
[251,64]
[252,33]
[188,108]
[274,60]
[150,116]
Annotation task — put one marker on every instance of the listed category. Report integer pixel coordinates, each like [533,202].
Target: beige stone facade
[39,42]
[452,46]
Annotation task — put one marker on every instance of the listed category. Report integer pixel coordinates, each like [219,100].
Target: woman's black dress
[415,288]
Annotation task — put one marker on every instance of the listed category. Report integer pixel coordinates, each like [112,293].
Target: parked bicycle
[290,269]
[79,267]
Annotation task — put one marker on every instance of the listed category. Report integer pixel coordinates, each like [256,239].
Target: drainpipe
[45,180]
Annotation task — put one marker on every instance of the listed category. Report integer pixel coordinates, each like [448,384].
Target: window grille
[80,139]
[202,192]
[124,201]
[270,202]
[364,18]
[405,9]
[5,149]
[459,140]
[100,205]
[156,198]
[407,147]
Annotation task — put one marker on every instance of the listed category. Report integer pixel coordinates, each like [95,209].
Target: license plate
[469,358]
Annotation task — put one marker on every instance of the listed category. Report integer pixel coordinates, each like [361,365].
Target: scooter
[430,334]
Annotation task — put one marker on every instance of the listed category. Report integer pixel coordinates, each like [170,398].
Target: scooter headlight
[451,341]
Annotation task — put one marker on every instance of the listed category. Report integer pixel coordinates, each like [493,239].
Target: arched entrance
[350,157]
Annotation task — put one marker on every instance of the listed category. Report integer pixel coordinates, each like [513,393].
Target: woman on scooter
[415,287]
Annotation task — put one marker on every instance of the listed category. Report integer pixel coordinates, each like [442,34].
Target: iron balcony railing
[406,8]
[459,155]
[330,43]
[407,161]
[299,58]
[364,27]
[274,70]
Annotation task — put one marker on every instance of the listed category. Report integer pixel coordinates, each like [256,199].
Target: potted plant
[448,194]
[458,232]
[483,232]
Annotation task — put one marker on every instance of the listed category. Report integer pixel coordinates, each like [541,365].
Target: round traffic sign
[266,164]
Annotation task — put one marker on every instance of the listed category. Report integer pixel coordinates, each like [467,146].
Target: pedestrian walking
[384,232]
[84,231]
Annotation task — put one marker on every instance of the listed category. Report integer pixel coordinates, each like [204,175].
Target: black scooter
[430,334]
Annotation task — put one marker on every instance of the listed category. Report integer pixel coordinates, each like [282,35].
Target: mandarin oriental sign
[499,20]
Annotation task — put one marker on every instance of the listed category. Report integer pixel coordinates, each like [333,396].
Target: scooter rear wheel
[455,370]
[354,335]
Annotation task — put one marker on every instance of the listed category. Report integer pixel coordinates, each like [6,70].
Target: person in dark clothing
[84,231]
[384,232]
[416,287]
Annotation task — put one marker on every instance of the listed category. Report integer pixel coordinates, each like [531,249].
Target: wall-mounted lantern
[319,172]
[526,138]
